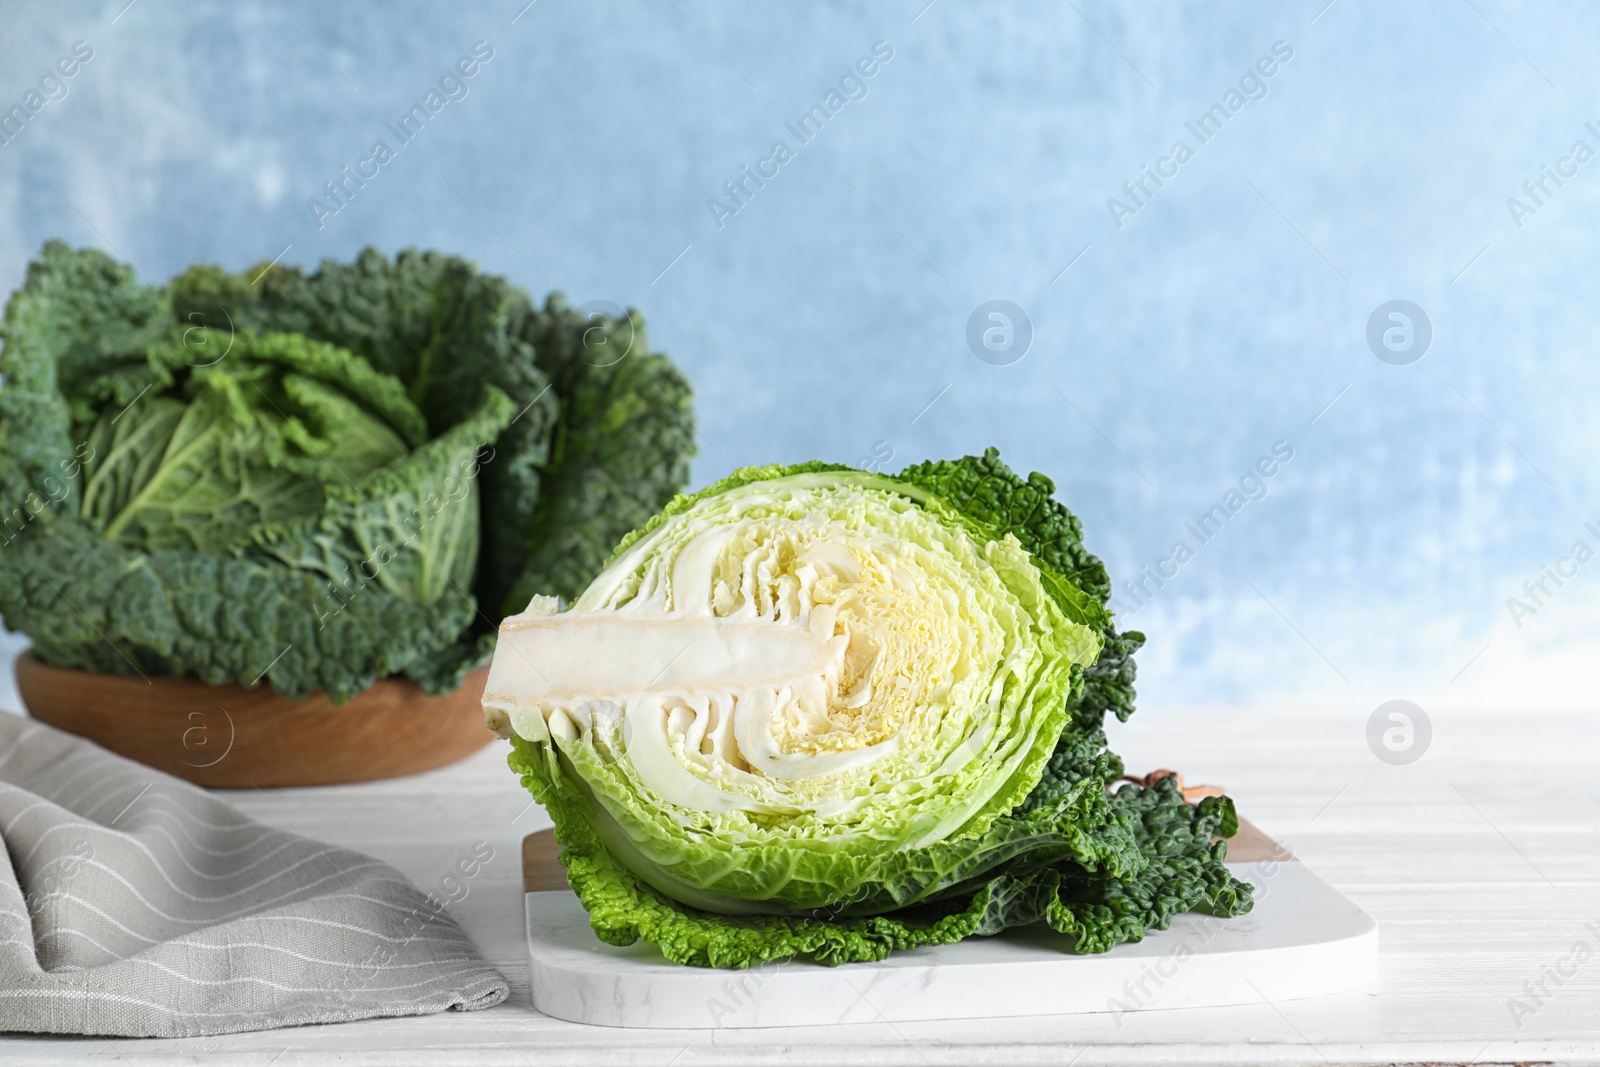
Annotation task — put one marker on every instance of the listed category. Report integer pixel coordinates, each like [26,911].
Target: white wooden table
[1481,862]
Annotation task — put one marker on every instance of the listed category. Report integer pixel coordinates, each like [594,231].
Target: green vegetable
[315,479]
[811,711]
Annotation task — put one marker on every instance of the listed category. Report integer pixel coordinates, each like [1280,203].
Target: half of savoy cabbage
[814,712]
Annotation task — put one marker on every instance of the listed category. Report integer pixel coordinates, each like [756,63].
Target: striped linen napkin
[135,904]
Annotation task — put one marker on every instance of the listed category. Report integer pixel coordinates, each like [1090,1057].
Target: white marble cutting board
[1303,939]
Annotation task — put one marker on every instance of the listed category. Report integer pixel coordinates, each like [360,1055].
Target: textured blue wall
[1202,321]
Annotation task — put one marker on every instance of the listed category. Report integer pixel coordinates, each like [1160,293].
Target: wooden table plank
[1451,854]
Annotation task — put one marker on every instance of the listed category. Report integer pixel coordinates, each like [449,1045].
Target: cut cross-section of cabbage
[773,691]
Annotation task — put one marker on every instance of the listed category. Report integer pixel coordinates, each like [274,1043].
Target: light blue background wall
[824,316]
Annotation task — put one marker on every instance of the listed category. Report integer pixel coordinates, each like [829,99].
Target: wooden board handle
[1250,845]
[541,869]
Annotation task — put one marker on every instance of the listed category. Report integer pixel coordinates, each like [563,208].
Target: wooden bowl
[230,737]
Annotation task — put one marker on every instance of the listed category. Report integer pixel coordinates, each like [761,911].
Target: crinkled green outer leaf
[264,436]
[1103,867]
[1170,865]
[326,477]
